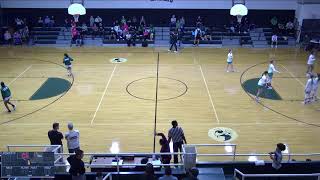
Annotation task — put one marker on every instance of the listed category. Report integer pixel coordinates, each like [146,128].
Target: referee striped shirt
[176,134]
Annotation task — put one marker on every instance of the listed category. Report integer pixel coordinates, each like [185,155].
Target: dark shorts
[270,75]
[229,62]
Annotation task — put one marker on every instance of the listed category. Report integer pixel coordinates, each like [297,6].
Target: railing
[243,176]
[109,175]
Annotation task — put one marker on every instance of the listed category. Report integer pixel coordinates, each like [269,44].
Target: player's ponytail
[264,73]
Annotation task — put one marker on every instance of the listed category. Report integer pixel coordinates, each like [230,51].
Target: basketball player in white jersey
[230,62]
[271,70]
[262,84]
[307,90]
[311,61]
[315,85]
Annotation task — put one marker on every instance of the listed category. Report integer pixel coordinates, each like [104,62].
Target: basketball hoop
[239,10]
[76,10]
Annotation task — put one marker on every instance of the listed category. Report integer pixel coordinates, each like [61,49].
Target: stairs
[211,174]
[162,36]
[258,38]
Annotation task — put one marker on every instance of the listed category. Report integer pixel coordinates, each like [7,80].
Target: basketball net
[76,18]
[239,17]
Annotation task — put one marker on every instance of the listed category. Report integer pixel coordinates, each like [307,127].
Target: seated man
[47,21]
[17,38]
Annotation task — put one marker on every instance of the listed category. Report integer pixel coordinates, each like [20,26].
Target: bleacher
[45,35]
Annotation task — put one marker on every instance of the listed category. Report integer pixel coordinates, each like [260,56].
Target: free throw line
[20,75]
[291,74]
[104,93]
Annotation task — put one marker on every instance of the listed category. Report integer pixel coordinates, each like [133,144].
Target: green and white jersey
[5,92]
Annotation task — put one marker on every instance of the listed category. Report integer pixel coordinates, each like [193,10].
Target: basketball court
[127,101]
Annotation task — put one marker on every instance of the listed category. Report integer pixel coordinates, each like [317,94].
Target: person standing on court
[55,136]
[311,60]
[6,96]
[230,61]
[271,70]
[72,137]
[173,40]
[67,62]
[176,134]
[77,169]
[276,156]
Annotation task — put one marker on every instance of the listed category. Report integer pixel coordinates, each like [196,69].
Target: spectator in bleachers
[17,40]
[149,173]
[173,21]
[95,31]
[165,148]
[207,35]
[274,23]
[199,22]
[101,30]
[168,174]
[182,23]
[281,28]
[123,20]
[176,134]
[91,21]
[197,36]
[40,22]
[52,21]
[77,168]
[98,20]
[142,21]
[25,34]
[134,21]
[47,21]
[72,137]
[19,23]
[192,174]
[55,136]
[74,34]
[129,38]
[125,27]
[289,27]
[274,41]
[7,37]
[276,156]
[84,29]
[118,30]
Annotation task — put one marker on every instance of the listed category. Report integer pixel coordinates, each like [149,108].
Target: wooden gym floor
[115,102]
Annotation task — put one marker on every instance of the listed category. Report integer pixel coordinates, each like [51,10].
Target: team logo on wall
[163,0]
[118,60]
[222,134]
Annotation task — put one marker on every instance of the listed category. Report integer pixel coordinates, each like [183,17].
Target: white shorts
[7,99]
[68,66]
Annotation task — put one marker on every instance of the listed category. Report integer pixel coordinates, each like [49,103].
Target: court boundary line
[104,93]
[291,74]
[12,81]
[208,91]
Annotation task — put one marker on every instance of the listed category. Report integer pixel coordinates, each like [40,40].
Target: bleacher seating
[44,35]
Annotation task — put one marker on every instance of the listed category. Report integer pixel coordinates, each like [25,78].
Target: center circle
[168,88]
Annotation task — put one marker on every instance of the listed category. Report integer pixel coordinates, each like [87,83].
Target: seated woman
[7,37]
[17,38]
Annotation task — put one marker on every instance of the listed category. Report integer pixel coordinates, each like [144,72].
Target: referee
[176,134]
